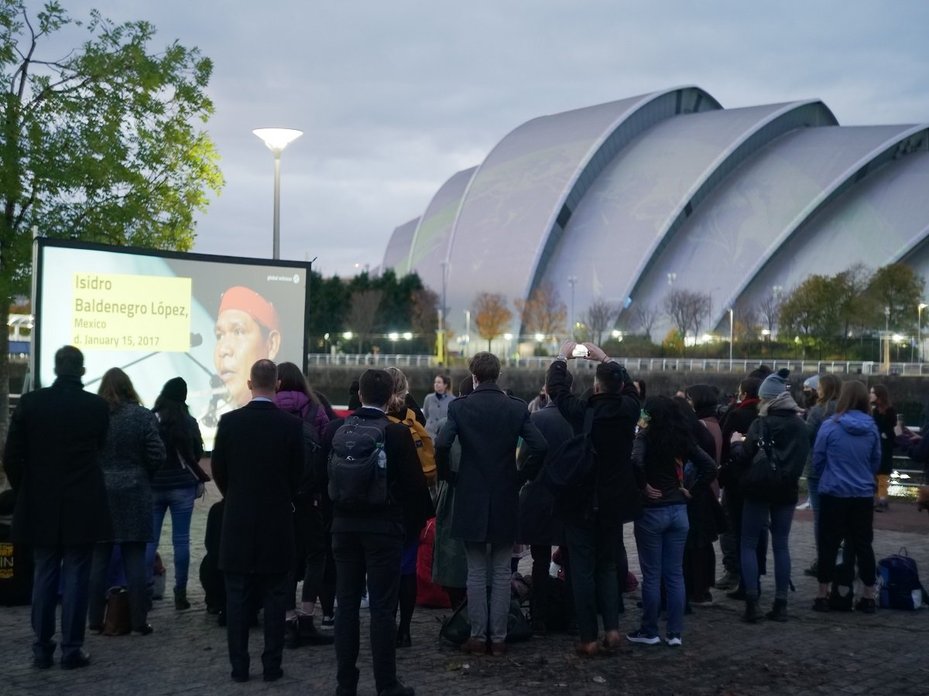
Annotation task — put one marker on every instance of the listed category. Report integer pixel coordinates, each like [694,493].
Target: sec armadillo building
[627,198]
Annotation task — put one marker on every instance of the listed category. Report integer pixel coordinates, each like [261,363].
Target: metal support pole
[276,251]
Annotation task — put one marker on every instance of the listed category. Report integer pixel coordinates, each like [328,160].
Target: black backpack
[767,472]
[358,464]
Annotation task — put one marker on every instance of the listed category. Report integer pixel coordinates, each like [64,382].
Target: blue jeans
[71,566]
[660,536]
[754,520]
[180,501]
[812,485]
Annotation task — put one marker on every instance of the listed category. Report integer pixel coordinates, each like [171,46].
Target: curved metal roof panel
[525,185]
[398,248]
[881,219]
[652,185]
[431,241]
[805,173]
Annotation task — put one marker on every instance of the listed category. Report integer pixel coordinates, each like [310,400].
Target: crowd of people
[337,506]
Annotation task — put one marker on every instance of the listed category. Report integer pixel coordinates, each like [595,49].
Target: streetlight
[731,335]
[919,330]
[276,140]
[507,337]
[572,281]
[393,336]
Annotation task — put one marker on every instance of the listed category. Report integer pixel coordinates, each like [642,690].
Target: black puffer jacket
[612,433]
[791,447]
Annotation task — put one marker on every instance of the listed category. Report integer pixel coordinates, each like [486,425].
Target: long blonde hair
[397,403]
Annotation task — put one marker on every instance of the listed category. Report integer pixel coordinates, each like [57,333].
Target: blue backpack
[899,579]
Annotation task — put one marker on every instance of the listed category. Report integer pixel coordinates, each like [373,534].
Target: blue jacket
[847,455]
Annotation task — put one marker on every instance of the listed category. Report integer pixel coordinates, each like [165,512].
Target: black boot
[752,613]
[309,635]
[180,598]
[292,633]
[778,611]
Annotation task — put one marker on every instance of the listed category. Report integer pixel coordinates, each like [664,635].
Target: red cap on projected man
[248,301]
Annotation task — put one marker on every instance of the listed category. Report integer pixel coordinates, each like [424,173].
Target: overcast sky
[395,97]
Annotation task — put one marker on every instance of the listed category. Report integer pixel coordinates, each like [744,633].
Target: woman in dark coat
[175,486]
[885,416]
[130,457]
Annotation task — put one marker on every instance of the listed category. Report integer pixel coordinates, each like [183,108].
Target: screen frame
[43,243]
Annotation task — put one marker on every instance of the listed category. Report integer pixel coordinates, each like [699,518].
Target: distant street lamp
[572,281]
[731,335]
[919,330]
[277,139]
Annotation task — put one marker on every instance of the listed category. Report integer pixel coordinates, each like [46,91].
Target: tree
[600,317]
[491,316]
[644,318]
[543,312]
[101,144]
[809,312]
[687,311]
[769,309]
[896,288]
[363,314]
[425,315]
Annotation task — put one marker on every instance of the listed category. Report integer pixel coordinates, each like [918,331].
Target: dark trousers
[541,562]
[271,588]
[379,555]
[733,503]
[851,519]
[69,567]
[311,554]
[133,556]
[593,578]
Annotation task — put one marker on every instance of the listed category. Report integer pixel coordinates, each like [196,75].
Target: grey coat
[130,457]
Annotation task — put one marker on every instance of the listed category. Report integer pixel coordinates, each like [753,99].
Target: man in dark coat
[56,435]
[594,517]
[369,539]
[488,423]
[538,526]
[257,464]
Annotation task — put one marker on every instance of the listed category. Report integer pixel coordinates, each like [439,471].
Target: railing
[723,365]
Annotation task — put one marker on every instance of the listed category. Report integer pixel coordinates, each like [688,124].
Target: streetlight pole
[276,139]
[572,281]
[919,331]
[731,335]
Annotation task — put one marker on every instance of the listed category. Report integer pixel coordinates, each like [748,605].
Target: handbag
[194,468]
[457,628]
[116,620]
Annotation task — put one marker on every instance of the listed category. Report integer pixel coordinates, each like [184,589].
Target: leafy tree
[809,312]
[543,312]
[895,287]
[600,317]
[99,144]
[491,316]
[425,316]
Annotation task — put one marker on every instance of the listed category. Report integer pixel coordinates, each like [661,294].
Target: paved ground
[811,654]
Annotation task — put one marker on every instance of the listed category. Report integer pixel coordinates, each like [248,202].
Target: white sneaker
[674,640]
[640,636]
